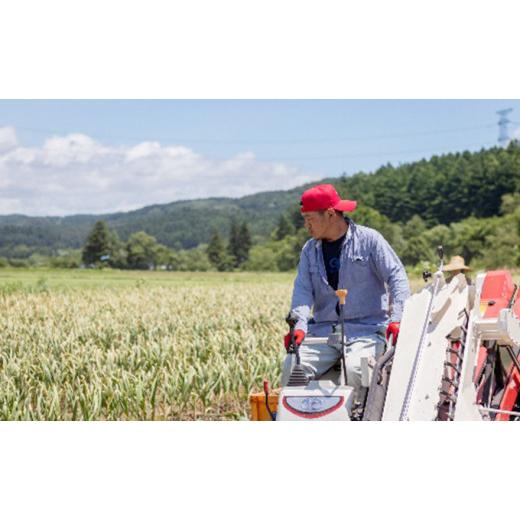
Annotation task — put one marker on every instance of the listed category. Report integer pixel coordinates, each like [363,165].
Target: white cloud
[73,148]
[77,174]
[8,206]
[7,138]
[142,150]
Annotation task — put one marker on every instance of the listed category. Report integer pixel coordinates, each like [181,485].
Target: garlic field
[147,346]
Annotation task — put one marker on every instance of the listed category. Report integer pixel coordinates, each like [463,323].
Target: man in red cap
[344,255]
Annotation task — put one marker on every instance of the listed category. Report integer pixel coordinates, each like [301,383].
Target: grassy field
[64,279]
[146,345]
[80,344]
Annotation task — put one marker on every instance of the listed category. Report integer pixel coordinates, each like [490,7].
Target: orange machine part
[258,409]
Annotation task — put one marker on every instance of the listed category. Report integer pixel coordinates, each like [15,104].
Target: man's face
[317,223]
[452,274]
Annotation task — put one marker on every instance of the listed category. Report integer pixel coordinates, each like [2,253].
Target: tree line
[466,201]
[441,190]
[489,242]
[142,251]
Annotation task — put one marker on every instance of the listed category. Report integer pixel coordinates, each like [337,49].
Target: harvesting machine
[457,357]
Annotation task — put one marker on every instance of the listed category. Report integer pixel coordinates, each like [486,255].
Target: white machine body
[416,379]
[327,398]
[321,399]
[437,353]
[445,333]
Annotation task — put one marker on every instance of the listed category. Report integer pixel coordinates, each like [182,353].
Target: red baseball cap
[325,196]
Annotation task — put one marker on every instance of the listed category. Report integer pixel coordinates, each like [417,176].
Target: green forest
[468,202]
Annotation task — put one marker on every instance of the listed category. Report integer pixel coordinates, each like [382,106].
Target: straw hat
[456,264]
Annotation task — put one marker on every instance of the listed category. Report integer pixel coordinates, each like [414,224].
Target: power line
[276,141]
[362,154]
[334,156]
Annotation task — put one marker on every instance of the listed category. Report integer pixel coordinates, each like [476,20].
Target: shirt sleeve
[303,293]
[392,272]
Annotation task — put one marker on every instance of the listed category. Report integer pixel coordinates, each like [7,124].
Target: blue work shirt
[369,270]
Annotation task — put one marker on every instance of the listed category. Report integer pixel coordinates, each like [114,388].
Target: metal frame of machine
[457,358]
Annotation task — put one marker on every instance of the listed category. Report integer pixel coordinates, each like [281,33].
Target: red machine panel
[516,308]
[497,291]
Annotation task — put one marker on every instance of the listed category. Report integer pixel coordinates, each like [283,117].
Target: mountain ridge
[441,190]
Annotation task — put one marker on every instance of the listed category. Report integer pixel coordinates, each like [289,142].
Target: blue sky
[65,157]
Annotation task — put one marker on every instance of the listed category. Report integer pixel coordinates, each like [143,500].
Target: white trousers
[317,359]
